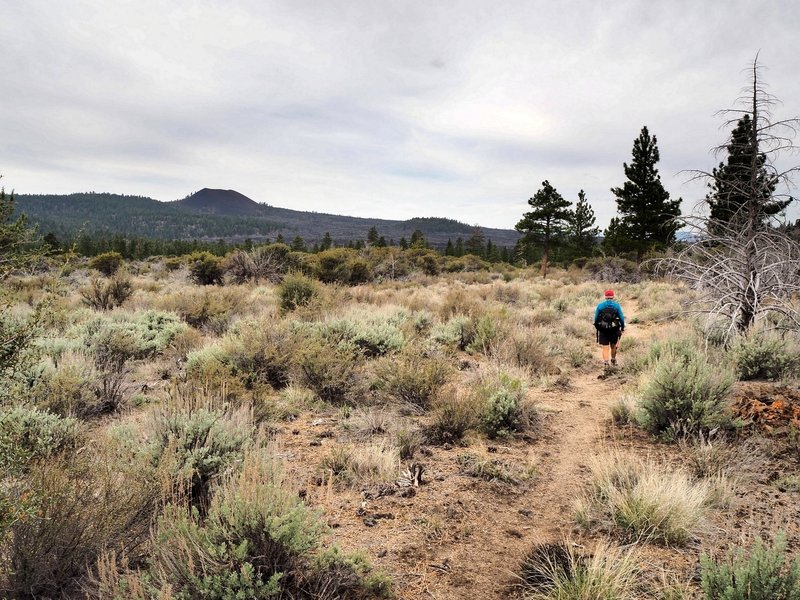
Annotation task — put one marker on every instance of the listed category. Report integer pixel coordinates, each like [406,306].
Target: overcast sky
[389,109]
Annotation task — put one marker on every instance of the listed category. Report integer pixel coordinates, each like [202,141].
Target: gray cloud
[398,109]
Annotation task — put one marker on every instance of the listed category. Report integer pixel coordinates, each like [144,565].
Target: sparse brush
[707,456]
[106,294]
[454,414]
[368,422]
[84,506]
[765,573]
[330,370]
[530,350]
[646,501]
[414,379]
[559,572]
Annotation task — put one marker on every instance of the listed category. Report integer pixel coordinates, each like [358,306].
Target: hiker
[609,323]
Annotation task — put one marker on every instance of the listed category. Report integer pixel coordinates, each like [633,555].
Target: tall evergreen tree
[327,241]
[582,226]
[547,222]
[372,236]
[742,188]
[647,215]
[459,248]
[474,244]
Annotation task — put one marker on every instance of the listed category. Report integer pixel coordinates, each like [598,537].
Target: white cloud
[458,108]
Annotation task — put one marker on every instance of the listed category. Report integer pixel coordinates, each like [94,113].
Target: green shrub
[105,295]
[205,268]
[107,263]
[764,574]
[29,433]
[458,332]
[685,395]
[764,356]
[295,291]
[502,399]
[139,336]
[414,379]
[258,541]
[373,336]
[336,265]
[198,447]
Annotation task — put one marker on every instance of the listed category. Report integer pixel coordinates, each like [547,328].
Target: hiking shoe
[614,362]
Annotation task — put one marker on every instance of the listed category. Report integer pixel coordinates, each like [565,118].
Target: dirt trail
[460,536]
[507,522]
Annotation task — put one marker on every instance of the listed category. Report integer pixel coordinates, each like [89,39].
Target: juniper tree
[547,222]
[647,215]
[582,226]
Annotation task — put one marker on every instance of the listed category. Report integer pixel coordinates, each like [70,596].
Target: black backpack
[608,319]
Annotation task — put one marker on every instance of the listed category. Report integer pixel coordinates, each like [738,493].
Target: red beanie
[609,293]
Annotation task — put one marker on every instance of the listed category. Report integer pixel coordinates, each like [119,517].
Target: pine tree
[647,215]
[298,244]
[459,249]
[547,222]
[743,184]
[327,241]
[418,239]
[475,244]
[582,226]
[372,236]
[19,244]
[448,249]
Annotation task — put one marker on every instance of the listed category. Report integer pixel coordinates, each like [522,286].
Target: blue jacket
[613,304]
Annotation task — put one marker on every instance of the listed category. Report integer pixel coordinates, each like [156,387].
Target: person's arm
[596,315]
[621,317]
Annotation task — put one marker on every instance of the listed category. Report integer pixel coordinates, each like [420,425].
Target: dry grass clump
[367,464]
[643,500]
[560,572]
[454,412]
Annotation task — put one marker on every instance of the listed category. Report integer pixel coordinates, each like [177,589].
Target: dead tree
[740,265]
